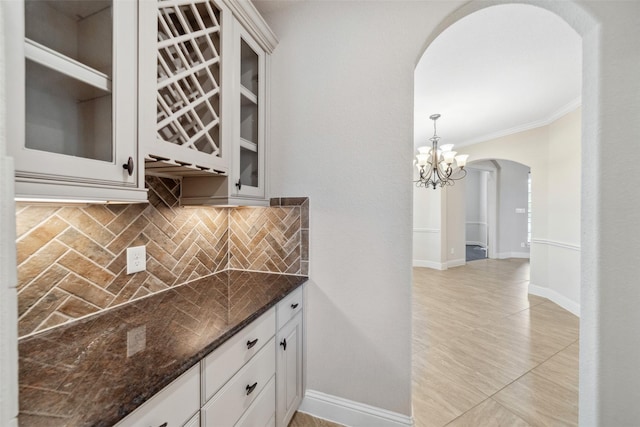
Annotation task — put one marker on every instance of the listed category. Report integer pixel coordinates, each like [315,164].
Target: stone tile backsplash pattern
[72,260]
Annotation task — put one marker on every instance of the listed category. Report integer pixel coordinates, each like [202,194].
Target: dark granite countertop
[79,374]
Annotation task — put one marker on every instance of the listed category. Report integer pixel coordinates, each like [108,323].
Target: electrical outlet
[453,251]
[136,340]
[522,245]
[136,259]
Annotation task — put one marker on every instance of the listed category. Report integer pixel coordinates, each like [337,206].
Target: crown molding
[565,109]
[247,14]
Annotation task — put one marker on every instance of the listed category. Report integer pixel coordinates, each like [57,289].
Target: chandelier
[436,165]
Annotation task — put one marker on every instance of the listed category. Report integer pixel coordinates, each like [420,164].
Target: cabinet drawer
[219,366]
[228,405]
[262,412]
[289,307]
[173,405]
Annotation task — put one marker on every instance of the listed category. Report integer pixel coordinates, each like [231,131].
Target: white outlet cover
[136,259]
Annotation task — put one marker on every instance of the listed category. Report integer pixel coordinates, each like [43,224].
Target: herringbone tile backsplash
[72,260]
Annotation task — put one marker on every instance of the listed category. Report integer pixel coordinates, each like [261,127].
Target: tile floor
[485,353]
[304,420]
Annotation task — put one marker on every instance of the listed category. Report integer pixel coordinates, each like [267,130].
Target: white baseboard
[555,297]
[429,264]
[350,413]
[456,262]
[505,255]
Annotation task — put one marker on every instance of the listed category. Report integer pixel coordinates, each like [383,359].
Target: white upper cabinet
[249,123]
[72,91]
[189,90]
[243,89]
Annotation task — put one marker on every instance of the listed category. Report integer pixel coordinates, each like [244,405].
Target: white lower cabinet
[253,380]
[176,405]
[262,412]
[219,366]
[231,402]
[289,370]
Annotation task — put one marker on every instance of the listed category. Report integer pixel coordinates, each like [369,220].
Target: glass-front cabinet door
[250,127]
[79,109]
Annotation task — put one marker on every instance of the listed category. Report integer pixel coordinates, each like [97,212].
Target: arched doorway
[584,25]
[498,211]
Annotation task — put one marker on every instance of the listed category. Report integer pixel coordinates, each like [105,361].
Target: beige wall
[553,154]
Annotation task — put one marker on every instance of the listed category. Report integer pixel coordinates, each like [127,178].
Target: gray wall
[512,195]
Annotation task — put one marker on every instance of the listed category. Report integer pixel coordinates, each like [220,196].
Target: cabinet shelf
[248,145]
[248,97]
[63,64]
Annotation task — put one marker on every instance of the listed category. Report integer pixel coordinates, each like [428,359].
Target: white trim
[476,243]
[350,413]
[429,264]
[572,105]
[456,262]
[556,297]
[247,14]
[476,222]
[506,255]
[426,230]
[557,244]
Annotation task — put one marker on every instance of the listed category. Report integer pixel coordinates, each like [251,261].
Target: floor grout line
[455,306]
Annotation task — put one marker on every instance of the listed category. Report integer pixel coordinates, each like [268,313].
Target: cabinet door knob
[252,343]
[283,343]
[239,184]
[294,306]
[129,167]
[251,387]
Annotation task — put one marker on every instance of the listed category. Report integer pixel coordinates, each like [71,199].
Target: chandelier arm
[456,177]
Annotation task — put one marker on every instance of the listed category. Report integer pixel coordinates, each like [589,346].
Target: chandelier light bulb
[461,160]
[446,147]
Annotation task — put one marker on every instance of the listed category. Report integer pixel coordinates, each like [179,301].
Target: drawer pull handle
[165,424]
[250,388]
[294,306]
[283,343]
[252,343]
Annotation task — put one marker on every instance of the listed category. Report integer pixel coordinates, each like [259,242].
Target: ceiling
[498,71]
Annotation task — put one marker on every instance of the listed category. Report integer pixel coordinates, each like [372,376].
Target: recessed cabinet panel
[67,116]
[289,389]
[228,405]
